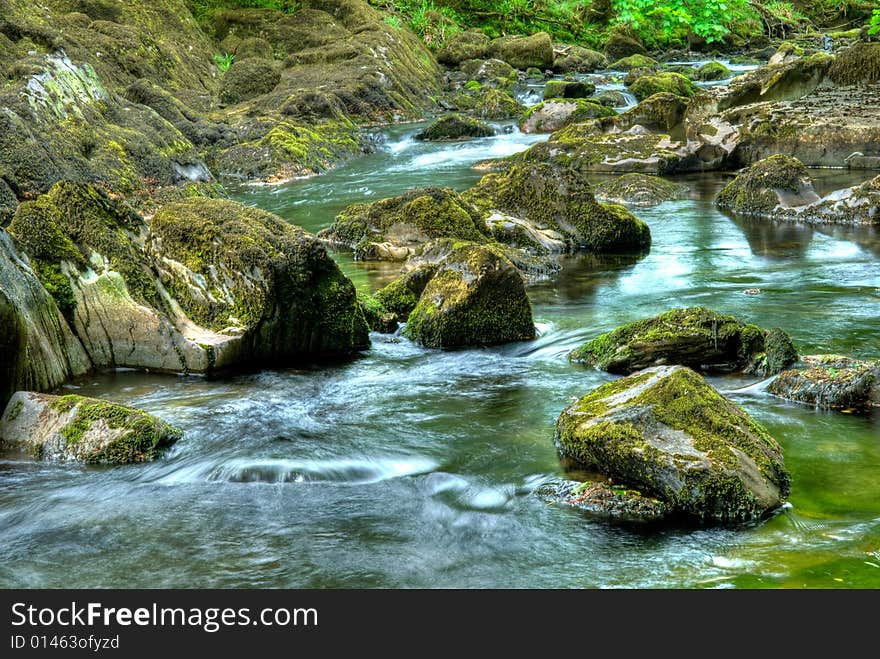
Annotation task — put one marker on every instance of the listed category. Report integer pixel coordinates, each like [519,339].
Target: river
[409,467]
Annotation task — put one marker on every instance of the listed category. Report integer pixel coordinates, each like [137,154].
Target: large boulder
[242,271]
[576,59]
[247,79]
[397,228]
[524,52]
[492,72]
[467,45]
[620,45]
[550,116]
[711,71]
[781,188]
[37,348]
[546,197]
[476,297]
[76,429]
[695,337]
[488,102]
[831,382]
[454,127]
[639,190]
[667,434]
[668,81]
[568,89]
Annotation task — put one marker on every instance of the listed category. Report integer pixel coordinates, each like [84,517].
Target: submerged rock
[639,190]
[476,297]
[605,501]
[831,382]
[455,127]
[550,116]
[695,337]
[666,433]
[77,429]
[781,188]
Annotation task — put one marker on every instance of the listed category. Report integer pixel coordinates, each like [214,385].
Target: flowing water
[410,467]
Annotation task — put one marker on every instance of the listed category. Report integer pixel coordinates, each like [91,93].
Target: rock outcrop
[831,382]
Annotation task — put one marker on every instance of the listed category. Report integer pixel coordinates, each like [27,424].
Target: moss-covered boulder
[398,227]
[454,127]
[492,72]
[524,52]
[612,98]
[695,337]
[662,112]
[489,103]
[667,434]
[247,79]
[787,52]
[777,181]
[476,297]
[568,89]
[8,203]
[37,348]
[831,382]
[256,47]
[77,429]
[711,71]
[550,116]
[560,200]
[859,64]
[673,83]
[240,270]
[639,190]
[467,45]
[569,58]
[634,62]
[402,295]
[378,317]
[620,45]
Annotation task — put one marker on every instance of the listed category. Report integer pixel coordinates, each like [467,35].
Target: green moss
[584,109]
[144,439]
[455,127]
[401,296]
[377,316]
[57,285]
[696,337]
[713,71]
[640,189]
[754,191]
[674,83]
[14,411]
[489,103]
[636,61]
[858,64]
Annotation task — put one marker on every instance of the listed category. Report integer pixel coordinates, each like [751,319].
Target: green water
[410,467]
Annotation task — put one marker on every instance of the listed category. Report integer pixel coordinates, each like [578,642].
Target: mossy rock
[831,382]
[234,268]
[634,62]
[695,337]
[70,223]
[639,190]
[620,45]
[666,433]
[377,316]
[402,295]
[8,203]
[560,199]
[859,64]
[254,47]
[476,297]
[662,112]
[777,181]
[577,59]
[524,52]
[611,98]
[711,71]
[494,72]
[455,127]
[77,429]
[398,227]
[467,45]
[605,501]
[674,83]
[247,79]
[568,89]
[554,114]
[489,103]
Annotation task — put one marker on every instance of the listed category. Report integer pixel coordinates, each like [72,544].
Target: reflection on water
[410,467]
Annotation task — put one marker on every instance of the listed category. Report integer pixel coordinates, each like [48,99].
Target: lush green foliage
[874,25]
[224,61]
